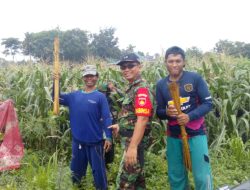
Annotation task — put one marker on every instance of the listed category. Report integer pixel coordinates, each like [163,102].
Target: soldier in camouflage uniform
[133,124]
[110,91]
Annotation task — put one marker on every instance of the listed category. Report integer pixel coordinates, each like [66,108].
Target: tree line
[76,45]
[236,49]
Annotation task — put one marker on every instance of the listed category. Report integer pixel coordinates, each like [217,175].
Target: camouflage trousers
[131,177]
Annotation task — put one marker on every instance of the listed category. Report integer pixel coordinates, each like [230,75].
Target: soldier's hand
[107,145]
[183,119]
[171,111]
[115,129]
[131,156]
[111,86]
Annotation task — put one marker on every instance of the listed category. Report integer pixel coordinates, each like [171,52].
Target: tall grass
[47,137]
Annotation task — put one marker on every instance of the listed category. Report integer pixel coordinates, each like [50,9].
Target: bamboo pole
[174,91]
[56,79]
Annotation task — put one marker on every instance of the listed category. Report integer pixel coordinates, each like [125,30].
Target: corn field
[47,137]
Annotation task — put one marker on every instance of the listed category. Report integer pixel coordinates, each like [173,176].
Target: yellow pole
[174,91]
[56,72]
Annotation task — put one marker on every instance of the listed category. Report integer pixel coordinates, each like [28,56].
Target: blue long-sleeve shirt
[89,115]
[195,101]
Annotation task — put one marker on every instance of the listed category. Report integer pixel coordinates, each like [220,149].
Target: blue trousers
[201,171]
[82,154]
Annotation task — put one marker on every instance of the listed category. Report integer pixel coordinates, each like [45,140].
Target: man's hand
[107,145]
[183,119]
[131,156]
[56,75]
[131,153]
[111,86]
[171,111]
[115,128]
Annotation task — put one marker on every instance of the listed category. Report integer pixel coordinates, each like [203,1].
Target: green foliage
[194,55]
[74,45]
[104,44]
[41,171]
[230,165]
[236,49]
[47,137]
[229,81]
[130,49]
[156,172]
[38,171]
[40,45]
[12,46]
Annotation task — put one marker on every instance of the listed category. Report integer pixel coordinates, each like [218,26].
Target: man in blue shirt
[89,115]
[195,102]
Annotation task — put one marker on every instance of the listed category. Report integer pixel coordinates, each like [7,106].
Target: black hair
[176,51]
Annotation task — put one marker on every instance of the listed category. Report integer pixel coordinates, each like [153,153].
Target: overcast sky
[150,25]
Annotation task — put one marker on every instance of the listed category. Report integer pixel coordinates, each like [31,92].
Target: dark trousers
[132,177]
[110,155]
[82,154]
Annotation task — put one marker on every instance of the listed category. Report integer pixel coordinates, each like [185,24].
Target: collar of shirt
[136,81]
[180,79]
[88,92]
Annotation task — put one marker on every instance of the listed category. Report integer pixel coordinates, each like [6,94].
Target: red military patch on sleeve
[143,105]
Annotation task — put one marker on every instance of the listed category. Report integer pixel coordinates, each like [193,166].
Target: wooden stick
[175,94]
[56,72]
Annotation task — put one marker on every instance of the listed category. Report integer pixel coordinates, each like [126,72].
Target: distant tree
[148,57]
[236,49]
[27,45]
[223,46]
[157,56]
[194,53]
[246,51]
[241,49]
[40,45]
[141,53]
[12,46]
[129,49]
[104,44]
[74,45]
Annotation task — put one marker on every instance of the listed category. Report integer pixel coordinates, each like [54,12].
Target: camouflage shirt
[138,101]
